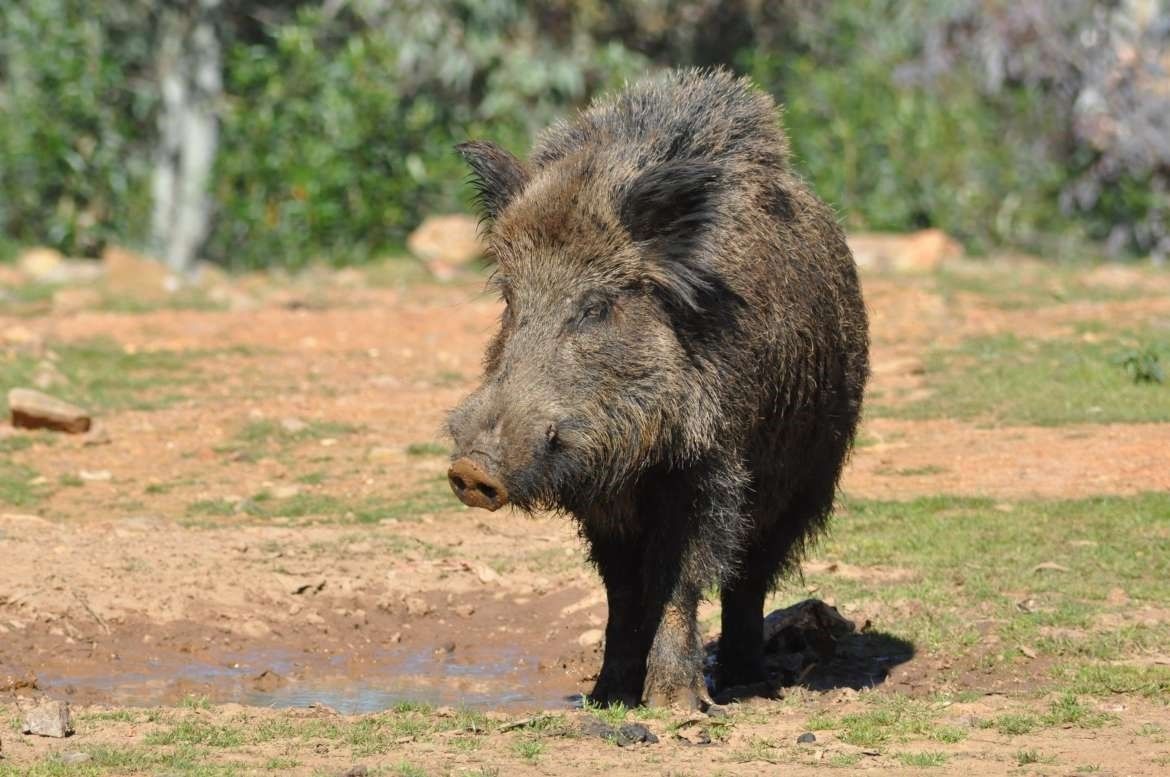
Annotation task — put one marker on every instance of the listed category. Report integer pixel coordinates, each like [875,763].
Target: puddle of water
[500,678]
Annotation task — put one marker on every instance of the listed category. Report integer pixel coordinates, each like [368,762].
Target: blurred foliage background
[1026,124]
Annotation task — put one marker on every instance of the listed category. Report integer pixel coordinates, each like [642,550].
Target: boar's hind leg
[773,551]
[741,643]
[623,669]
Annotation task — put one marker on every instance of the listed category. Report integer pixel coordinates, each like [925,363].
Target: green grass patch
[426,449]
[891,718]
[1034,573]
[102,375]
[266,437]
[195,732]
[17,487]
[1015,287]
[1004,380]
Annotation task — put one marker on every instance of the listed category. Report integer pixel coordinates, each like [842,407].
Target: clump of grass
[1026,757]
[1068,711]
[17,487]
[1143,366]
[923,760]
[211,507]
[1013,724]
[529,749]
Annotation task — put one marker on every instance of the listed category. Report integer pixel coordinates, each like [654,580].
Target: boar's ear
[674,199]
[496,175]
[670,207]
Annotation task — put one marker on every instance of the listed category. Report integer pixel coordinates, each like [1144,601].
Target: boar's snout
[475,487]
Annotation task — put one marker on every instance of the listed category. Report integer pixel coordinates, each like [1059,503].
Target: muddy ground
[260,538]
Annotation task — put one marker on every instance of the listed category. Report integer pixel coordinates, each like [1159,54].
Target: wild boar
[679,364]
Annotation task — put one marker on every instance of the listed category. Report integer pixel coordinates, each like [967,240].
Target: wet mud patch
[495,655]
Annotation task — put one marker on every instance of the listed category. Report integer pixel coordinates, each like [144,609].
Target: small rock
[40,263]
[445,243]
[34,410]
[382,454]
[97,435]
[24,337]
[286,491]
[592,727]
[919,252]
[267,681]
[591,638]
[632,734]
[807,738]
[355,771]
[49,719]
[253,629]
[695,735]
[417,606]
[464,610]
[293,425]
[75,758]
[486,574]
[133,274]
[95,475]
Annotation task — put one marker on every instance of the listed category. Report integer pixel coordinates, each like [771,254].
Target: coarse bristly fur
[680,363]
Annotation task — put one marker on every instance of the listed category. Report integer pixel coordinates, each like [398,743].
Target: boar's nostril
[475,487]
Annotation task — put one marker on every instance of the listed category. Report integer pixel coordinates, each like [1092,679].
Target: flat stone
[49,719]
[591,638]
[32,409]
[75,758]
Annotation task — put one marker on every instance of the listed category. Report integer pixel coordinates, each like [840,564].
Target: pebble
[807,738]
[293,425]
[591,638]
[417,606]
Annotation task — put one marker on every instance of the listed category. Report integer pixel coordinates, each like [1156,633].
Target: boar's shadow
[813,646]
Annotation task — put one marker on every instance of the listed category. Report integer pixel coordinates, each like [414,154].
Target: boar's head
[597,371]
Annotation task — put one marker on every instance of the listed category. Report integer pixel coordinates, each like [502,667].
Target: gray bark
[190,63]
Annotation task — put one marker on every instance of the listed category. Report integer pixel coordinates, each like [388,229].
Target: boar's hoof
[686,697]
[475,487]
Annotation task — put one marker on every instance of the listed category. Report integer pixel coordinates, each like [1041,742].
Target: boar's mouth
[475,486]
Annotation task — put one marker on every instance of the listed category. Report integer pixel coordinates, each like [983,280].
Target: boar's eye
[594,310]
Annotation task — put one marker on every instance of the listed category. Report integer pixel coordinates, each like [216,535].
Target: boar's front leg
[627,639]
[674,667]
[698,530]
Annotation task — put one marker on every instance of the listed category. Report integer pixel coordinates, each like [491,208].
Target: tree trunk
[190,63]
